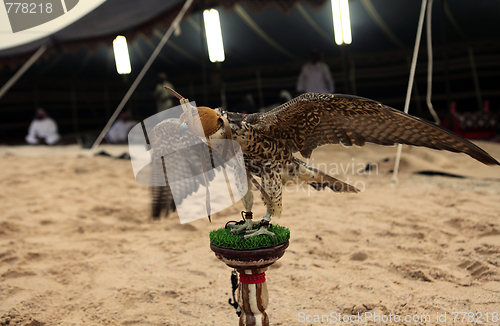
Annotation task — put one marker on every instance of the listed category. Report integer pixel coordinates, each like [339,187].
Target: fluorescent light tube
[122,57]
[214,35]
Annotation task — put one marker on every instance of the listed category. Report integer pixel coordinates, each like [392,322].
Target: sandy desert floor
[77,246]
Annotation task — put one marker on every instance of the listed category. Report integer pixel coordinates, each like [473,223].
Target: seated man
[42,130]
[118,133]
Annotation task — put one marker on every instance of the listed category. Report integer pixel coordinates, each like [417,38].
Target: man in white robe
[118,133]
[42,130]
[315,76]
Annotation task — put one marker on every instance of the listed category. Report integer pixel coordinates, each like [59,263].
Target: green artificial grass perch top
[223,238]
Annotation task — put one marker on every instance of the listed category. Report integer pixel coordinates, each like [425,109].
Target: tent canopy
[266,42]
[260,32]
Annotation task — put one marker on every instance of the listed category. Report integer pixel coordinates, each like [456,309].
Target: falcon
[269,140]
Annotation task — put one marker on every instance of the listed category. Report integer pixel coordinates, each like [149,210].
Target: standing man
[315,75]
[164,100]
[42,130]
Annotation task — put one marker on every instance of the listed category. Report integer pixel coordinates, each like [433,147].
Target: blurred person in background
[315,76]
[118,133]
[164,99]
[42,130]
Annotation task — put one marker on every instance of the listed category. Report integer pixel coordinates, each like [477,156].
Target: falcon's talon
[247,225]
[260,231]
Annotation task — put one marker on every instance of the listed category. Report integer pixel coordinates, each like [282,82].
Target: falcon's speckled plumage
[269,139]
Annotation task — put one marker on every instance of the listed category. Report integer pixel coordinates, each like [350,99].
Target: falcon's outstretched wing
[312,120]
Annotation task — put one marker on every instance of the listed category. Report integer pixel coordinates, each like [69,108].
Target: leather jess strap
[229,137]
[227,128]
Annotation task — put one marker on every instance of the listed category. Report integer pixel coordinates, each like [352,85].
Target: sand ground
[77,246]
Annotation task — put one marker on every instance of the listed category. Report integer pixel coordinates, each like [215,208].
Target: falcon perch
[269,139]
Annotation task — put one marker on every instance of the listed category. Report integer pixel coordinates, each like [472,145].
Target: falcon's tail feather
[336,186]
[319,180]
[324,180]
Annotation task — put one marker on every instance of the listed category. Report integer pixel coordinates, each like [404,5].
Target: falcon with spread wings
[268,141]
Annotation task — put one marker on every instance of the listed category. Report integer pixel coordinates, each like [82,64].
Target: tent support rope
[139,77]
[410,83]
[430,64]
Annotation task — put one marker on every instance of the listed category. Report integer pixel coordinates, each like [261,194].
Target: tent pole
[345,68]
[139,77]
[475,79]
[74,110]
[352,76]
[259,88]
[445,54]
[23,69]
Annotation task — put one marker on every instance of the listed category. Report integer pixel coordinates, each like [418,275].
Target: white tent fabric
[111,17]
[12,40]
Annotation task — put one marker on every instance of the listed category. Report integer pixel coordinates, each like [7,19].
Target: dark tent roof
[292,29]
